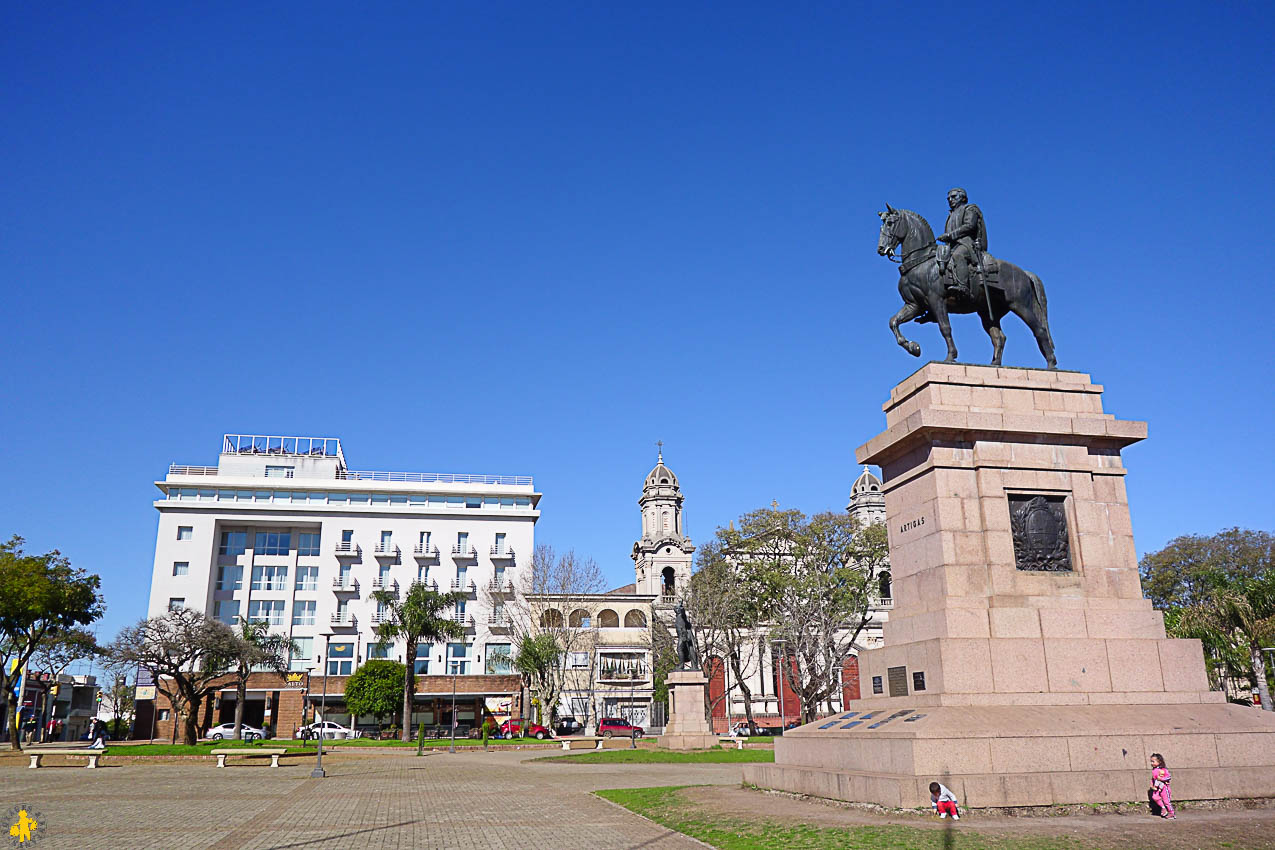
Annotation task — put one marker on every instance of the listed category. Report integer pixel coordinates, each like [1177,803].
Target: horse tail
[1038,291]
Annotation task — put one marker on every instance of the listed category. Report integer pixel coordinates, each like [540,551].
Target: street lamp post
[779,686]
[452,748]
[318,773]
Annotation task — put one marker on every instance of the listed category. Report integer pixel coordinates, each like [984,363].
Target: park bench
[729,739]
[223,753]
[91,754]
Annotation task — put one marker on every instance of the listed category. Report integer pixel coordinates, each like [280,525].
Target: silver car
[226,731]
[329,729]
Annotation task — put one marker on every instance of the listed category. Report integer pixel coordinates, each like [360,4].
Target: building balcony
[623,677]
[425,552]
[464,553]
[389,584]
[464,619]
[498,622]
[345,585]
[381,617]
[496,586]
[346,549]
[464,585]
[387,550]
[429,584]
[345,620]
[502,553]
[886,602]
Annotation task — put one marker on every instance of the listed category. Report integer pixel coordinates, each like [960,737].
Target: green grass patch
[626,756]
[667,806]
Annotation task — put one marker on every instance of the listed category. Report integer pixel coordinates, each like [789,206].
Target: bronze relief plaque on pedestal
[1039,525]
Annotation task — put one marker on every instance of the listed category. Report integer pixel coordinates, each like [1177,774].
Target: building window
[387,538]
[303,612]
[424,542]
[270,610]
[500,543]
[181,568]
[347,536]
[227,611]
[307,578]
[230,578]
[308,545]
[577,660]
[185,532]
[340,659]
[233,543]
[462,543]
[422,659]
[270,578]
[499,658]
[473,502]
[458,659]
[302,653]
[380,649]
[272,542]
[279,471]
[176,602]
[164,714]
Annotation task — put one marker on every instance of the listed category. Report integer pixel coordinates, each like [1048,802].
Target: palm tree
[256,648]
[416,618]
[1238,611]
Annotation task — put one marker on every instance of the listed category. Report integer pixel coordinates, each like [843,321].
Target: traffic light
[99,697]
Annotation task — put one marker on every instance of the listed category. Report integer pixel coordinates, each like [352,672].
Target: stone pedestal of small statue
[688,728]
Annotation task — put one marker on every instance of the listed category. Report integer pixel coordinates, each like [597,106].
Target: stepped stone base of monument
[687,728]
[1021,664]
[1025,755]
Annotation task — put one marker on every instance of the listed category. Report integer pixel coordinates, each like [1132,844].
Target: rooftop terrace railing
[432,477]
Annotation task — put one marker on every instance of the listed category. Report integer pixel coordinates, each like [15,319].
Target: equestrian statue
[957,275]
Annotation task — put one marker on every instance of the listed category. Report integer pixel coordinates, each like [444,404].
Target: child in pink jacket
[1160,793]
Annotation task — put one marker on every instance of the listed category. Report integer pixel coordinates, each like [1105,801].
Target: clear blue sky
[536,238]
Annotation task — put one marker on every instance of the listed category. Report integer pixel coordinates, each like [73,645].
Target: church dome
[866,483]
[661,476]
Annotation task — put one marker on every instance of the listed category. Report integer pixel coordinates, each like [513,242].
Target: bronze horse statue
[926,299]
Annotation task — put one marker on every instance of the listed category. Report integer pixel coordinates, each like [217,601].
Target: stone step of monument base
[687,741]
[1026,755]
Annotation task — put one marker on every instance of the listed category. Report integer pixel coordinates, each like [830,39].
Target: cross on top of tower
[659,444]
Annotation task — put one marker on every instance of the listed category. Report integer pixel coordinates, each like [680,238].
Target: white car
[227,731]
[328,728]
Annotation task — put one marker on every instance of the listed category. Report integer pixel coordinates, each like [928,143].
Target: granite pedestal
[1011,683]
[687,727]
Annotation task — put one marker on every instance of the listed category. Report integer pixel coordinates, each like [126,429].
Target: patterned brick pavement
[467,800]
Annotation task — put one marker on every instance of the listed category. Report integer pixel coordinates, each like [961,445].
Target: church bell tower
[662,556]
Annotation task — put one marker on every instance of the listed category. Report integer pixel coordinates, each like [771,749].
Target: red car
[513,729]
[611,726]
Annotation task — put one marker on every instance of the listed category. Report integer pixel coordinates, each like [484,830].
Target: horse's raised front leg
[907,313]
[938,308]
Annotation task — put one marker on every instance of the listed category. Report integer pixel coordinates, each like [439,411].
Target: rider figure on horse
[966,234]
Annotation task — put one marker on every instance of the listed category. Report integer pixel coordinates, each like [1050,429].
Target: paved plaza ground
[467,800]
[492,800]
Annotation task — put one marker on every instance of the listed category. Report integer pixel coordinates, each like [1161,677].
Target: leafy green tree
[376,689]
[256,649]
[1236,610]
[1184,572]
[41,597]
[418,617]
[539,659]
[187,654]
[813,580]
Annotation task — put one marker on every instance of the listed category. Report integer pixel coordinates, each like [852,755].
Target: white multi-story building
[281,530]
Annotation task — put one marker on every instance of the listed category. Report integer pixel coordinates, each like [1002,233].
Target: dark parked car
[611,726]
[568,726]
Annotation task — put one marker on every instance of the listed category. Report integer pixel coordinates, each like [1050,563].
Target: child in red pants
[1160,793]
[943,801]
